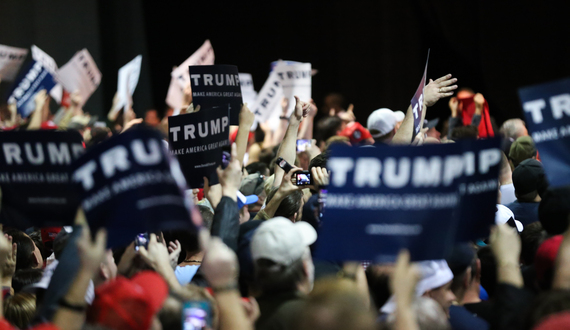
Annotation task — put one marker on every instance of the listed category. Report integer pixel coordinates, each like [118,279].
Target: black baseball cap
[528,176]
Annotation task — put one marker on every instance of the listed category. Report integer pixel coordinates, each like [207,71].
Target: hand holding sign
[438,89]
[230,178]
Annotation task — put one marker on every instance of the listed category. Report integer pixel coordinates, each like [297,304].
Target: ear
[104,272]
[427,294]
[478,270]
[294,217]
[36,260]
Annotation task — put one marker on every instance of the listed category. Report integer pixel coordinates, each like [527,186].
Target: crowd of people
[251,265]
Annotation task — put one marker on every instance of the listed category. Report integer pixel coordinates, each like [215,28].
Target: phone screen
[322,200]
[141,240]
[303,145]
[303,178]
[226,157]
[196,315]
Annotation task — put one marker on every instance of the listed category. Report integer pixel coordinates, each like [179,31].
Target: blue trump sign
[547,111]
[30,81]
[129,185]
[384,199]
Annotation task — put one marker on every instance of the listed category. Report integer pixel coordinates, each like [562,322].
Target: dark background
[372,52]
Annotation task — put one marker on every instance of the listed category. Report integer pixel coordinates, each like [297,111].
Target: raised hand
[454,106]
[220,264]
[301,109]
[438,89]
[246,117]
[230,178]
[320,176]
[91,252]
[479,100]
[174,249]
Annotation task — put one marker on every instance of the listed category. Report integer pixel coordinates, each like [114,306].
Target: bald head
[514,128]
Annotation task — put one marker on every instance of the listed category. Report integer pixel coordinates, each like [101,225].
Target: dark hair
[327,127]
[60,242]
[379,285]
[259,135]
[554,210]
[207,215]
[267,155]
[25,277]
[464,133]
[458,279]
[548,303]
[257,167]
[289,205]
[36,236]
[275,278]
[488,270]
[98,135]
[531,237]
[26,248]
[319,160]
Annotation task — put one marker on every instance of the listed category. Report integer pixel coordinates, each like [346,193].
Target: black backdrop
[373,52]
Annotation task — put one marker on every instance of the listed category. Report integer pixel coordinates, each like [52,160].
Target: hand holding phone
[304,178]
[196,315]
[141,240]
[283,164]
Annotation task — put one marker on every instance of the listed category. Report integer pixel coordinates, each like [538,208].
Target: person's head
[337,139]
[529,180]
[523,148]
[435,283]
[548,304]
[464,133]
[335,304]
[128,304]
[252,185]
[327,127]
[428,313]
[545,259]
[382,125]
[25,277]
[319,160]
[356,135]
[20,309]
[531,237]
[291,207]
[333,101]
[207,215]
[151,118]
[513,129]
[28,256]
[554,210]
[466,269]
[257,167]
[280,251]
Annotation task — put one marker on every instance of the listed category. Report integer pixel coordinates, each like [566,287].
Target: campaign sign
[418,102]
[381,200]
[197,140]
[129,185]
[217,85]
[296,81]
[478,192]
[11,59]
[547,111]
[248,93]
[80,74]
[35,180]
[268,99]
[30,81]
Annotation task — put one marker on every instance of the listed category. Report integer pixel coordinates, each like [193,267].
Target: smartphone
[283,164]
[304,178]
[226,157]
[303,145]
[141,240]
[196,315]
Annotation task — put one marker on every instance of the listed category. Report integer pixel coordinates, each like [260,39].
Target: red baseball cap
[546,257]
[355,132]
[557,321]
[128,304]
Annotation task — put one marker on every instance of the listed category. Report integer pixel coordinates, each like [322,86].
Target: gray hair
[512,128]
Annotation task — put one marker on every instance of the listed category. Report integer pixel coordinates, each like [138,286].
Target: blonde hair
[20,309]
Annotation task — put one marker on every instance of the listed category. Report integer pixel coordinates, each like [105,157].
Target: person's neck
[193,258]
[472,295]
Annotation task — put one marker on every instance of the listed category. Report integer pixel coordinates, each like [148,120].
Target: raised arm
[36,119]
[433,92]
[306,131]
[246,118]
[288,149]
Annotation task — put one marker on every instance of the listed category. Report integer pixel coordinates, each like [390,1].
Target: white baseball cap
[381,120]
[281,240]
[504,214]
[399,115]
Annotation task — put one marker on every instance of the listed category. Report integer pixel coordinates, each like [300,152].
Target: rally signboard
[547,111]
[197,140]
[30,81]
[217,85]
[34,176]
[384,199]
[130,185]
[418,102]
